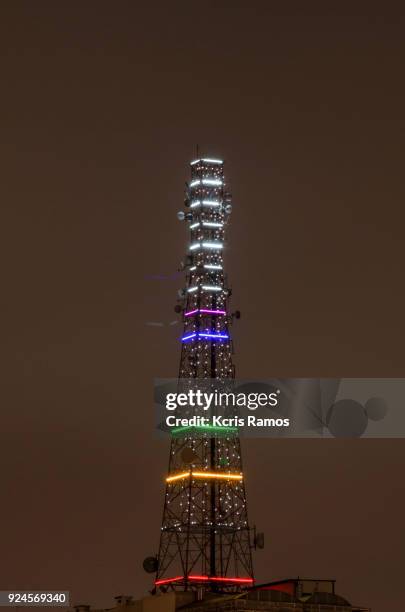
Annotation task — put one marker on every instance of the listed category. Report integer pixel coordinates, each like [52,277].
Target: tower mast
[205,535]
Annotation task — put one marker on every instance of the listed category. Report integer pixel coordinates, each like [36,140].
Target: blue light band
[213,336]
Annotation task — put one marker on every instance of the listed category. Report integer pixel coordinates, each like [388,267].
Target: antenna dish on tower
[150,565]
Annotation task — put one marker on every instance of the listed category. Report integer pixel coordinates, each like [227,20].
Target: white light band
[214,182]
[212,224]
[212,245]
[212,267]
[211,182]
[211,288]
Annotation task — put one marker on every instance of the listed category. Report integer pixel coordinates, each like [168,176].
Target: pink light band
[222,579]
[218,312]
[205,579]
[204,311]
[168,580]
[190,312]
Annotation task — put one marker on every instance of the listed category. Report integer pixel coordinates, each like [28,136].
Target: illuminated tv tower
[205,536]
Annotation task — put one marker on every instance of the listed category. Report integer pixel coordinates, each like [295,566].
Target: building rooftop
[289,595]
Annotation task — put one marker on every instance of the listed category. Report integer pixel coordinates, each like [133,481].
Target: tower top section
[207,175]
[204,298]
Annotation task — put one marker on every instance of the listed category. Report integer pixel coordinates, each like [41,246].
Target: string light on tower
[205,536]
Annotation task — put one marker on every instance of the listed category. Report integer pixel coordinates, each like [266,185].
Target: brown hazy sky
[102,104]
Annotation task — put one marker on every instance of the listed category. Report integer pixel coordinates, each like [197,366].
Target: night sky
[102,105]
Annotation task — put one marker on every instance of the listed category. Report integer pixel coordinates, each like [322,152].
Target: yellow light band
[220,475]
[177,476]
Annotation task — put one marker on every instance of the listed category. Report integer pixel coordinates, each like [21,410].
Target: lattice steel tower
[205,535]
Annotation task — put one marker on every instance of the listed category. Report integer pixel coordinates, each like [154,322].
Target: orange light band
[219,475]
[177,476]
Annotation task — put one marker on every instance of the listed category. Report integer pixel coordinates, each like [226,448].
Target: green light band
[213,429]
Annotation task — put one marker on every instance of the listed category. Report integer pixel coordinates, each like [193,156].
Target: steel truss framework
[205,535]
